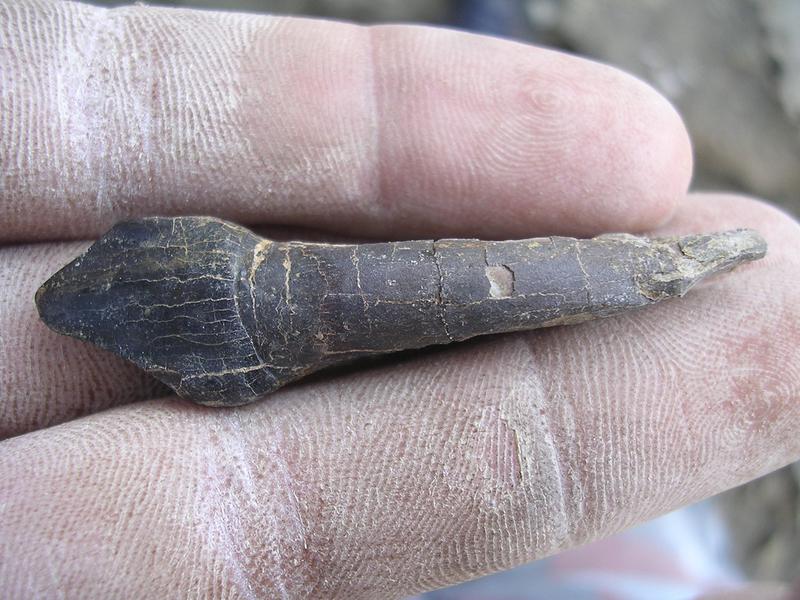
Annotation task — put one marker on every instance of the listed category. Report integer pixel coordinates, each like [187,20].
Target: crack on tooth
[236,371]
[259,255]
[586,285]
[287,284]
[357,266]
[439,300]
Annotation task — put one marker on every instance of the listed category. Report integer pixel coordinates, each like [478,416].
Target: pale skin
[388,480]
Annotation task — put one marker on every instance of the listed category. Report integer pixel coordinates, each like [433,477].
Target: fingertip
[655,164]
[638,162]
[500,139]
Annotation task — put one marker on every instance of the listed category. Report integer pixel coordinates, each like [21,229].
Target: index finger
[392,131]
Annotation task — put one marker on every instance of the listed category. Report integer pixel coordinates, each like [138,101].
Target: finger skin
[427,472]
[390,131]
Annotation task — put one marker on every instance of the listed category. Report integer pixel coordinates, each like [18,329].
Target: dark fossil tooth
[224,316]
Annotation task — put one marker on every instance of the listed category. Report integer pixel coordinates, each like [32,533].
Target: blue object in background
[495,17]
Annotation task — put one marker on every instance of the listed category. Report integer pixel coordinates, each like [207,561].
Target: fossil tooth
[224,316]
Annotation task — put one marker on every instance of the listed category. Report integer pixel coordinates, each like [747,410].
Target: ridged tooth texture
[224,317]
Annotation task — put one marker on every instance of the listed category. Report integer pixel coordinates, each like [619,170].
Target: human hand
[394,479]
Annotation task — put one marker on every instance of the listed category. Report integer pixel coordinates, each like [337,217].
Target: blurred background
[732,67]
